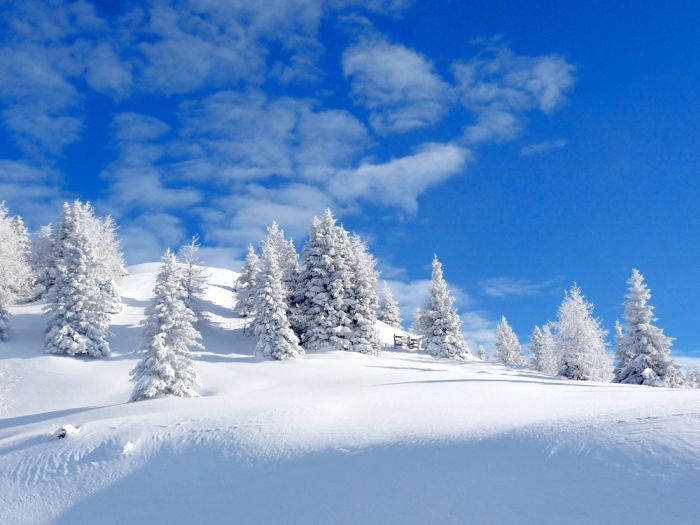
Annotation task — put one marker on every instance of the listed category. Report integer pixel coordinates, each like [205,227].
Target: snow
[337,436]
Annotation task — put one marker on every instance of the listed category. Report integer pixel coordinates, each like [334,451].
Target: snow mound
[335,436]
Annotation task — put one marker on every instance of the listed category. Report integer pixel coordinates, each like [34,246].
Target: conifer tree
[194,278]
[364,302]
[507,346]
[542,348]
[287,255]
[644,352]
[245,284]
[43,260]
[325,287]
[15,270]
[692,379]
[170,334]
[81,299]
[482,353]
[438,321]
[389,311]
[276,339]
[580,340]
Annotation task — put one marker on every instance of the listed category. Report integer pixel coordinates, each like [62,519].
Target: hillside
[334,437]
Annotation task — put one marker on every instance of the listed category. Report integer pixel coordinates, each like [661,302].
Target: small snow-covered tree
[245,284]
[692,378]
[287,255]
[82,296]
[324,287]
[364,336]
[15,270]
[438,321]
[170,333]
[580,340]
[507,346]
[542,348]
[644,352]
[388,308]
[482,353]
[276,339]
[194,278]
[43,260]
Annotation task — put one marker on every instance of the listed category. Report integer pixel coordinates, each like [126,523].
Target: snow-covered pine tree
[388,308]
[644,352]
[194,278]
[580,340]
[15,270]
[507,346]
[245,284]
[22,236]
[112,258]
[170,333]
[692,379]
[324,287]
[276,339]
[364,337]
[287,255]
[80,299]
[438,321]
[43,260]
[482,353]
[542,348]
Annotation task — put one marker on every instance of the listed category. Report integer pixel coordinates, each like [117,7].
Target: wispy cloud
[396,84]
[509,286]
[498,86]
[542,147]
[400,181]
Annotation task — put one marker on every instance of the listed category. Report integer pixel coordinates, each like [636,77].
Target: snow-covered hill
[334,437]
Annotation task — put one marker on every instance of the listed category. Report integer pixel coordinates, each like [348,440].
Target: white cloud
[248,213]
[478,329]
[107,73]
[542,147]
[397,85]
[498,86]
[138,127]
[508,286]
[147,236]
[400,181]
[32,191]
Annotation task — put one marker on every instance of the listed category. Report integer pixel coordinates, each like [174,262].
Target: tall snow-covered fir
[194,277]
[245,284]
[15,268]
[42,260]
[388,311]
[580,340]
[324,287]
[542,348]
[276,339]
[643,354]
[364,302]
[438,321]
[83,294]
[507,346]
[170,333]
[287,256]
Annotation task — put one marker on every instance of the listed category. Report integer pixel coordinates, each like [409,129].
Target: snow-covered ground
[335,437]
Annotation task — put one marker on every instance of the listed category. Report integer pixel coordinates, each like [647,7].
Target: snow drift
[337,436]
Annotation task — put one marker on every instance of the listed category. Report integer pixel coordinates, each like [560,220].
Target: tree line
[327,299]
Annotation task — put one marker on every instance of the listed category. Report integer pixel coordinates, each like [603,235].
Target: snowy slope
[341,437]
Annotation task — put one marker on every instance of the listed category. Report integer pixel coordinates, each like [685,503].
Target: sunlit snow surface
[333,438]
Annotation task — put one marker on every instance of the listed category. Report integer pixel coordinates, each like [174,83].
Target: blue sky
[528,144]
